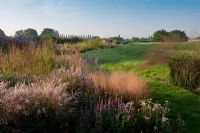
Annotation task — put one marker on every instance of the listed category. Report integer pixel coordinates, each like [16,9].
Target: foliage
[32,60]
[172,36]
[116,40]
[28,33]
[70,40]
[186,73]
[144,39]
[2,34]
[159,35]
[49,33]
[135,39]
[176,36]
[19,42]
[14,79]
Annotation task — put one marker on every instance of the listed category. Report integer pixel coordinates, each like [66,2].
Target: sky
[104,18]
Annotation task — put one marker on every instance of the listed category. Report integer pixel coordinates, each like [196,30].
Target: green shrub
[186,72]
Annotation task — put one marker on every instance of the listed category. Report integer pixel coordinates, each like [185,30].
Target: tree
[159,35]
[49,33]
[135,39]
[19,33]
[28,33]
[2,34]
[173,36]
[177,36]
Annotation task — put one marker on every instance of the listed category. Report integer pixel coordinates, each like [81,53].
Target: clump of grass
[120,83]
[30,60]
[39,107]
[14,79]
[186,73]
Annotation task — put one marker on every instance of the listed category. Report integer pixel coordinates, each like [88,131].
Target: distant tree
[135,39]
[173,36]
[177,35]
[2,34]
[28,33]
[116,40]
[49,33]
[19,33]
[145,39]
[159,35]
[96,37]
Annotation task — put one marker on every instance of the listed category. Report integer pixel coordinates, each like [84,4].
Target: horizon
[127,18]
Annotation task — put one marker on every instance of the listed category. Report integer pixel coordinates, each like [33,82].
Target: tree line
[164,36]
[158,36]
[172,36]
[32,33]
[48,33]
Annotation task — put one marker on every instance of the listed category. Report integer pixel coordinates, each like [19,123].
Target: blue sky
[101,17]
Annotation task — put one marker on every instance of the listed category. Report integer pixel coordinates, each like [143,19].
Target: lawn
[129,58]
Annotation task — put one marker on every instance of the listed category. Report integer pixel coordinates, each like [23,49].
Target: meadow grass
[72,98]
[131,58]
[32,60]
[76,98]
[69,100]
[162,53]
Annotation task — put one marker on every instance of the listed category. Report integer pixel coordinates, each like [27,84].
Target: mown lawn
[130,58]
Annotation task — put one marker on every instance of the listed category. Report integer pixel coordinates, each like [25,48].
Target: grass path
[129,58]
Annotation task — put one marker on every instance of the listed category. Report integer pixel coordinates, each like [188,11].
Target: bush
[158,36]
[28,33]
[186,73]
[172,36]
